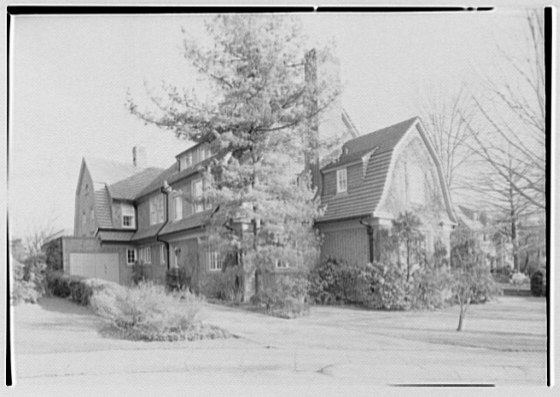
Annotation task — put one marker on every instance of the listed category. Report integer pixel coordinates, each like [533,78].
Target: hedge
[77,288]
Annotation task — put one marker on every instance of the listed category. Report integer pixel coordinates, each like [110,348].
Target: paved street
[504,343]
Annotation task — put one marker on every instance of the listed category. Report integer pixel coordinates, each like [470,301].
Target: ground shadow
[64,306]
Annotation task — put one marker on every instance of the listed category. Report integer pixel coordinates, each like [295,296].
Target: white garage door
[104,266]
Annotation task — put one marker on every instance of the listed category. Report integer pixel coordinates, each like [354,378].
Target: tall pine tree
[261,122]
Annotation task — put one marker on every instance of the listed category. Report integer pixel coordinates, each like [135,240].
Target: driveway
[504,343]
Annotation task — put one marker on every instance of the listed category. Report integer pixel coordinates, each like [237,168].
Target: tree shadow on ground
[63,306]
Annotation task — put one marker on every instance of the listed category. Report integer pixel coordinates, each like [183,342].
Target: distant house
[478,224]
[378,176]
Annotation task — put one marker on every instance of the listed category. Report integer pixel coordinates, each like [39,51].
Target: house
[378,176]
[129,213]
[126,214]
[476,222]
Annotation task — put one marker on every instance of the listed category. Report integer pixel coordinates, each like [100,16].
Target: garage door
[104,266]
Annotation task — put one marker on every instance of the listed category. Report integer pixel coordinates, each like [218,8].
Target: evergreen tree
[261,122]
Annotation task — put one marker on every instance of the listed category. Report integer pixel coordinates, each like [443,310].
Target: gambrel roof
[376,152]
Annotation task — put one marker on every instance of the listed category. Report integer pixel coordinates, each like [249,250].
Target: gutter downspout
[165,189]
[369,230]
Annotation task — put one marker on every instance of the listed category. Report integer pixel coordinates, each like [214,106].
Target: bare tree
[447,120]
[510,133]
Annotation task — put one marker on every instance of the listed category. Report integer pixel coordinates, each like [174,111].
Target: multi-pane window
[130,256]
[341,181]
[198,204]
[127,212]
[145,255]
[178,206]
[156,209]
[214,262]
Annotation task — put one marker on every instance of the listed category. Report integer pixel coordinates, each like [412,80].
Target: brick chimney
[139,158]
[312,154]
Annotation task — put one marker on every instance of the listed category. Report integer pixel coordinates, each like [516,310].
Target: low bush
[430,288]
[23,291]
[389,287]
[285,298]
[519,279]
[78,289]
[226,285]
[147,312]
[538,283]
[333,281]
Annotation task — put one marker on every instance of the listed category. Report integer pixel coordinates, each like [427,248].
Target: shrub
[78,289]
[226,285]
[389,286]
[519,279]
[177,278]
[285,298]
[334,281]
[58,284]
[430,288]
[472,283]
[22,290]
[538,283]
[147,312]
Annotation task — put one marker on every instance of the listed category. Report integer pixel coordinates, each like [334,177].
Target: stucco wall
[412,162]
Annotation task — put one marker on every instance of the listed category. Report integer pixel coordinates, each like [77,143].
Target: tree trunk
[461,316]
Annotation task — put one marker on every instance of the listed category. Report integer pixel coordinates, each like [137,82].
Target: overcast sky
[70,75]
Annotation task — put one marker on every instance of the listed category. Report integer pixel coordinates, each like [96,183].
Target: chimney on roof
[312,153]
[139,158]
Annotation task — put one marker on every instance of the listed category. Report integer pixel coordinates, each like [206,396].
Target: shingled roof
[381,141]
[129,188]
[115,180]
[378,147]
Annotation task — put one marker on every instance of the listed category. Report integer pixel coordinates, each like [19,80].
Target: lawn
[503,343]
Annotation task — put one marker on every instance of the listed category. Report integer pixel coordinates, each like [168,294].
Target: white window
[178,206]
[162,254]
[127,212]
[341,181]
[182,163]
[214,262]
[204,152]
[145,255]
[281,264]
[198,204]
[188,159]
[176,257]
[130,256]
[156,209]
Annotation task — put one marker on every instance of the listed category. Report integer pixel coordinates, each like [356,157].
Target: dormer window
[185,161]
[128,216]
[204,152]
[341,181]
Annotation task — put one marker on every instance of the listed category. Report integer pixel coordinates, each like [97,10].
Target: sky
[70,76]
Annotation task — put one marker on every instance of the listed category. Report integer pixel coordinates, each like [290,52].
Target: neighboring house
[477,223]
[377,177]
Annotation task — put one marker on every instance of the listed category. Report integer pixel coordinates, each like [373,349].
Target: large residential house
[127,214]
[377,177]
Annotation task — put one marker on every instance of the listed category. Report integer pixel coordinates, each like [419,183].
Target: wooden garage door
[104,266]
